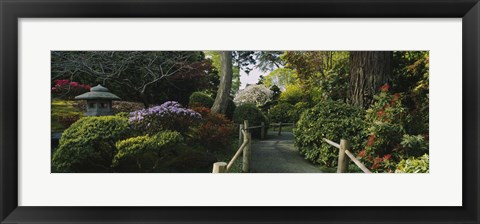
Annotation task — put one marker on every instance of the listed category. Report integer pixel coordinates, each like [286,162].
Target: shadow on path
[277,154]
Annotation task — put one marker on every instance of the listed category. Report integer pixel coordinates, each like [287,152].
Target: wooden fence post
[280,128]
[219,167]
[247,149]
[262,135]
[342,157]
[240,137]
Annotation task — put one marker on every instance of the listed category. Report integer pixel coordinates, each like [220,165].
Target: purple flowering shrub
[168,116]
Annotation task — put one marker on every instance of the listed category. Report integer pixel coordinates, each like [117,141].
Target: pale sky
[251,78]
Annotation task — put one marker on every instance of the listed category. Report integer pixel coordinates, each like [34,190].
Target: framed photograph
[239,112]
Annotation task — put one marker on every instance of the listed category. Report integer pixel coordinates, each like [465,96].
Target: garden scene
[240,111]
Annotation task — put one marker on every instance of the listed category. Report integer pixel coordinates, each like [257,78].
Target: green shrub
[283,112]
[292,94]
[385,131]
[230,109]
[414,145]
[64,113]
[200,99]
[145,153]
[333,120]
[254,116]
[299,108]
[89,144]
[191,162]
[414,165]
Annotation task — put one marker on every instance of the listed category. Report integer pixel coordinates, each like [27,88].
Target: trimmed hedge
[89,144]
[333,120]
[200,99]
[144,153]
[254,116]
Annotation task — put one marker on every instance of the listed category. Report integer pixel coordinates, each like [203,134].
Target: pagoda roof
[98,93]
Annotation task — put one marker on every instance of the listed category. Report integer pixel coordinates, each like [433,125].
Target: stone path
[277,154]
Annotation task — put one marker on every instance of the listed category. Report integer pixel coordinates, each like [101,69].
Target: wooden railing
[344,151]
[263,126]
[280,125]
[245,148]
[245,136]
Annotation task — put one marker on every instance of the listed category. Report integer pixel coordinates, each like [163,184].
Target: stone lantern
[99,101]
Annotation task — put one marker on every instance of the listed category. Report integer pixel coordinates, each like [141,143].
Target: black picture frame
[11,11]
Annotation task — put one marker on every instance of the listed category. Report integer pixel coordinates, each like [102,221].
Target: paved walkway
[277,154]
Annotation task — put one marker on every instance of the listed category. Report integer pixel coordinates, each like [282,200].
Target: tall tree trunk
[221,101]
[368,71]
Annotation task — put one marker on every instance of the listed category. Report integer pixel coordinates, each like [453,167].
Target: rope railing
[344,147]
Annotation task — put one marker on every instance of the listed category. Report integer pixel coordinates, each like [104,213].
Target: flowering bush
[65,89]
[258,95]
[385,132]
[168,116]
[215,131]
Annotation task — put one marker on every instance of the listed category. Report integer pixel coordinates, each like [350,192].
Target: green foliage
[283,112]
[190,161]
[333,120]
[411,78]
[269,60]
[276,92]
[89,144]
[322,74]
[414,165]
[254,116]
[200,99]
[230,109]
[385,131]
[144,153]
[64,113]
[150,77]
[414,145]
[298,109]
[292,94]
[215,57]
[280,77]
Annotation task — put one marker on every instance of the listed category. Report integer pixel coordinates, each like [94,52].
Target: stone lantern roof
[98,93]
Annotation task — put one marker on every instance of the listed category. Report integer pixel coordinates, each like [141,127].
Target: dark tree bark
[369,70]
[221,101]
